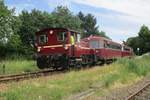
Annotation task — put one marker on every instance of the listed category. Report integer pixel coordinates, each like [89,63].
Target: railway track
[28,75]
[142,94]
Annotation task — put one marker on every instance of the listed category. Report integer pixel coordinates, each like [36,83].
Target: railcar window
[94,44]
[43,39]
[61,36]
[126,49]
[113,46]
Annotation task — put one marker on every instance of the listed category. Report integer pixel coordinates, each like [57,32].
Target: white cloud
[134,13]
[20,7]
[137,8]
[119,35]
[55,3]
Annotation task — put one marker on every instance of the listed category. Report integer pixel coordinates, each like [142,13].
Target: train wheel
[41,63]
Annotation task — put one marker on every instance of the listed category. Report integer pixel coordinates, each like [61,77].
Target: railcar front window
[43,39]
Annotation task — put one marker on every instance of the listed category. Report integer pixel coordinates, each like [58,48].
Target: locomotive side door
[74,40]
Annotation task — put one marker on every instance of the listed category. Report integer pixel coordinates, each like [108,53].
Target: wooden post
[4,69]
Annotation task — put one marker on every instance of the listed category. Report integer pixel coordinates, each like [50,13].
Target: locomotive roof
[65,29]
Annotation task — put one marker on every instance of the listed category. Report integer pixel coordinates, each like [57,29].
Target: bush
[139,67]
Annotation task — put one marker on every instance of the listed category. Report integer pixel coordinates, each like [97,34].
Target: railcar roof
[100,38]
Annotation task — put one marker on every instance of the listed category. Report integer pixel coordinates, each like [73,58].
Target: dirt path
[3,87]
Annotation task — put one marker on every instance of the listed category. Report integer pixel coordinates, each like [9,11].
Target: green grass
[57,87]
[17,66]
[129,69]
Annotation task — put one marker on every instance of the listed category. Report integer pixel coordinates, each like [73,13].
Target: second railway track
[142,94]
[28,75]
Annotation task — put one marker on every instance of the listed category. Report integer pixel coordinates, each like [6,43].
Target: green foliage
[17,32]
[142,41]
[131,66]
[17,66]
[9,24]
[31,23]
[57,87]
[134,42]
[89,25]
[63,17]
[5,22]
[103,34]
[110,79]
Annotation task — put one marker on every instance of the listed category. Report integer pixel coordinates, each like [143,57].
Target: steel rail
[28,75]
[131,97]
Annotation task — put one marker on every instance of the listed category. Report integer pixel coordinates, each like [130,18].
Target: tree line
[16,32]
[140,43]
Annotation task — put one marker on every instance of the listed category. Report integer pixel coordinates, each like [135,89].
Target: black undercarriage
[63,61]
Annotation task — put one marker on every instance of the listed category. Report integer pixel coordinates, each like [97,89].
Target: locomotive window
[61,36]
[78,37]
[43,39]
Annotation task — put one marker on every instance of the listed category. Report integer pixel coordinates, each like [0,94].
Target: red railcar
[127,51]
[54,48]
[105,49]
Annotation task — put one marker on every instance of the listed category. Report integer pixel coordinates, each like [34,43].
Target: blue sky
[120,19]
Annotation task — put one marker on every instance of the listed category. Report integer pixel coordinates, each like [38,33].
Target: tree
[31,23]
[16,32]
[89,25]
[103,34]
[5,22]
[63,17]
[135,43]
[142,41]
[9,24]
[144,35]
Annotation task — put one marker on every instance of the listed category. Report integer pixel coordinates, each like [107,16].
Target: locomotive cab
[54,47]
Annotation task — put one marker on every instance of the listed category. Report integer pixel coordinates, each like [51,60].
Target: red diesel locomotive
[55,49]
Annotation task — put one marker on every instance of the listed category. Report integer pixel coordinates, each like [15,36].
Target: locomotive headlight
[97,51]
[65,47]
[38,49]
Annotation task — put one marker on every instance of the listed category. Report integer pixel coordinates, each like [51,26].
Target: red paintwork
[128,53]
[52,40]
[82,48]
[107,53]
